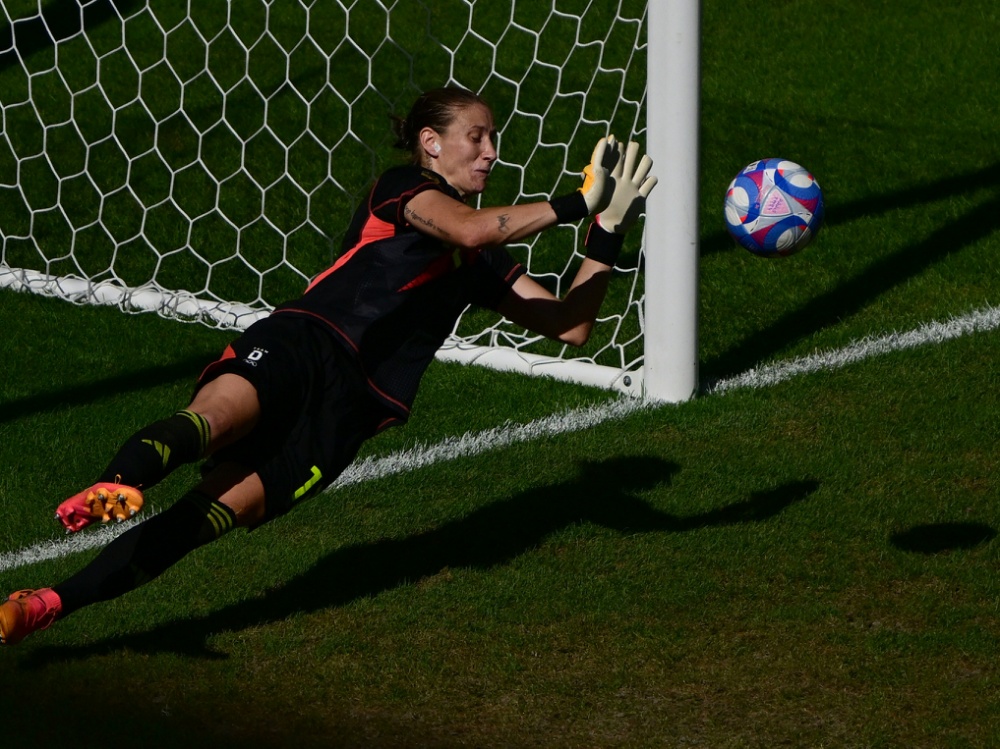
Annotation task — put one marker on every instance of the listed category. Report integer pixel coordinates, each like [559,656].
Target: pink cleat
[101,501]
[27,611]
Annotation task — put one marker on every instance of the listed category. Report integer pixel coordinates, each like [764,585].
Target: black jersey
[394,294]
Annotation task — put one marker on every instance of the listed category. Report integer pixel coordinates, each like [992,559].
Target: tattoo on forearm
[502,220]
[415,218]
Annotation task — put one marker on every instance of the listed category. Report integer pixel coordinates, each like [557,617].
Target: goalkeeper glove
[598,187]
[632,184]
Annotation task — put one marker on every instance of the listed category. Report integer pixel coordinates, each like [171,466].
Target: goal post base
[566,370]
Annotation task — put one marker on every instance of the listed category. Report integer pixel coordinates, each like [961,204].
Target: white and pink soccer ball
[774,208]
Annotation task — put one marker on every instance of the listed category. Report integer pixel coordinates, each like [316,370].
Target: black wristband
[570,208]
[603,246]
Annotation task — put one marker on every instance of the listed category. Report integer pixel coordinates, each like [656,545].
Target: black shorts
[316,409]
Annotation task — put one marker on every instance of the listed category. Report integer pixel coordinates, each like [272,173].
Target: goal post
[202,160]
[673,106]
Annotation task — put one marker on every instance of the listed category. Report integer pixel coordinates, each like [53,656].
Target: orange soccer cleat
[99,502]
[27,611]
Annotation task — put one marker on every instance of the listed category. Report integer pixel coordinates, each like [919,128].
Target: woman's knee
[230,405]
[238,488]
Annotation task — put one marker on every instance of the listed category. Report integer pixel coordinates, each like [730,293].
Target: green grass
[813,564]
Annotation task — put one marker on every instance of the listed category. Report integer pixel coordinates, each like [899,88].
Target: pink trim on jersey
[229,353]
[436,269]
[375,229]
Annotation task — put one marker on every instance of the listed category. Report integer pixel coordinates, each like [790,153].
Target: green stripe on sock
[221,518]
[201,424]
[219,515]
[162,450]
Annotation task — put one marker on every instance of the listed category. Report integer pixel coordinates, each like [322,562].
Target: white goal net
[203,159]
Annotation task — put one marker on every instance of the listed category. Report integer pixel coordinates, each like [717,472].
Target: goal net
[203,160]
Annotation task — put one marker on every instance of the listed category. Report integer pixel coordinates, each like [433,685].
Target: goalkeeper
[286,407]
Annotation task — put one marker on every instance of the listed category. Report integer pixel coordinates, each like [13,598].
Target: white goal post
[202,160]
[671,278]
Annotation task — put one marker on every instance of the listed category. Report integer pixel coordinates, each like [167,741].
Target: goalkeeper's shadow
[613,493]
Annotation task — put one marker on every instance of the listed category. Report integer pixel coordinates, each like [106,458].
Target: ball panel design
[773,207]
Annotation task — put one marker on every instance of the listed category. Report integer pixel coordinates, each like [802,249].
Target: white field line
[930,333]
[62,547]
[472,444]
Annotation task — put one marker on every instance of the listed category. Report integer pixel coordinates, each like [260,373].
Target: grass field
[807,564]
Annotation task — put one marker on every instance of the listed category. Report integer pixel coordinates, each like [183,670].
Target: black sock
[144,552]
[156,450]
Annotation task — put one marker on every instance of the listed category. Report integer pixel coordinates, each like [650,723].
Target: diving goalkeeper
[286,407]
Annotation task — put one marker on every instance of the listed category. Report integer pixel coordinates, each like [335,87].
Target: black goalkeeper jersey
[394,294]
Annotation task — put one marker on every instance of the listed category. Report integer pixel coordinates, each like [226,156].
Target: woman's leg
[223,410]
[229,496]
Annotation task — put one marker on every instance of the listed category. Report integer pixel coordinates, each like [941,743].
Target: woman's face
[467,150]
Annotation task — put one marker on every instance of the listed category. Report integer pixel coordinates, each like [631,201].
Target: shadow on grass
[937,538]
[604,494]
[882,276]
[141,379]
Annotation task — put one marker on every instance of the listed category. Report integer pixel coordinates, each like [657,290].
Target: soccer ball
[774,208]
